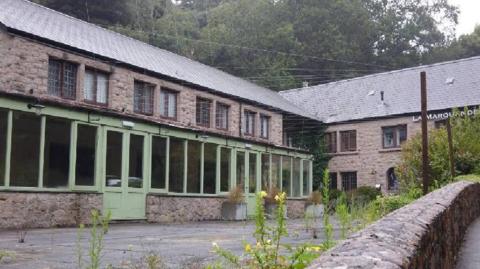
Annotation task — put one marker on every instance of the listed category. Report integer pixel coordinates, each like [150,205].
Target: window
[306,178]
[241,168]
[159,156]
[193,169]
[177,161]
[331,142]
[349,181]
[135,168]
[252,174]
[393,136]
[276,171]
[168,104]
[62,78]
[265,172]
[56,153]
[3,144]
[143,98]
[249,123]
[333,180]
[209,168]
[225,161]
[348,140]
[203,112]
[25,152]
[286,174]
[114,159]
[264,126]
[221,116]
[296,178]
[85,161]
[95,87]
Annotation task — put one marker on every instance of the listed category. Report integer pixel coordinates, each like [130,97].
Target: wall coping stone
[427,233]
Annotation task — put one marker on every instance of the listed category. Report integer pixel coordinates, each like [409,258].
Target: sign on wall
[445,115]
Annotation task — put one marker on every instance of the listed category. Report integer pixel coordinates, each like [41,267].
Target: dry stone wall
[23,210]
[425,234]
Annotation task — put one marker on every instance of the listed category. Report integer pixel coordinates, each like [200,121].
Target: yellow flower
[277,197]
[259,245]
[214,244]
[248,247]
[263,194]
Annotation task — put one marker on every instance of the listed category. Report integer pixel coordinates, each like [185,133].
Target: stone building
[370,117]
[91,119]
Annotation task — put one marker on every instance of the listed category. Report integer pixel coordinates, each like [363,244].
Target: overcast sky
[469,15]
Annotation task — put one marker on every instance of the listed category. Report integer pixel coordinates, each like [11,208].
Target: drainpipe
[240,134]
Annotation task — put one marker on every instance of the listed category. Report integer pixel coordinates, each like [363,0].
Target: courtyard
[185,245]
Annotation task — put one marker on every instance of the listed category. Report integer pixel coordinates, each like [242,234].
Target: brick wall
[425,234]
[24,71]
[370,161]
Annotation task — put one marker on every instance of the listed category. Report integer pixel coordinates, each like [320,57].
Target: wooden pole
[450,148]
[425,161]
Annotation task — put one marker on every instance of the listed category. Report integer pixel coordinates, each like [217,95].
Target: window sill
[390,150]
[346,153]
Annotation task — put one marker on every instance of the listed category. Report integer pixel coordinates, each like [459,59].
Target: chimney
[382,95]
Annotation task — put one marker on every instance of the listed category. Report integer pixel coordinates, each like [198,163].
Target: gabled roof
[29,18]
[453,84]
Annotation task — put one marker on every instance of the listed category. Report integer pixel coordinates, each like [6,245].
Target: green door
[252,181]
[125,156]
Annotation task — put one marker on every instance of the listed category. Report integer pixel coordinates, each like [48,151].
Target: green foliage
[343,215]
[268,252]
[327,226]
[96,243]
[466,147]
[6,254]
[363,195]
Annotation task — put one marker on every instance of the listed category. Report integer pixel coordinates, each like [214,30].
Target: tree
[465,46]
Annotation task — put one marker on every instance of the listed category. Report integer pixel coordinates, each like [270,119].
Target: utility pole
[425,162]
[450,148]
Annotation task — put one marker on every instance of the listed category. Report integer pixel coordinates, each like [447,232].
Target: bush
[466,147]
[363,195]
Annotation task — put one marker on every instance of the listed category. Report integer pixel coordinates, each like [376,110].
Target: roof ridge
[383,73]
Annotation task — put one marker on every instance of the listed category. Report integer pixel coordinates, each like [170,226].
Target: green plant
[327,226]
[363,195]
[6,254]
[269,252]
[343,215]
[236,195]
[96,243]
[271,194]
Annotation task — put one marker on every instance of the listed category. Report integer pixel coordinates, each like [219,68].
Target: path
[469,256]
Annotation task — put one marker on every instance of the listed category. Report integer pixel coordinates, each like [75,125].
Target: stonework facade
[370,160]
[24,210]
[24,71]
[295,209]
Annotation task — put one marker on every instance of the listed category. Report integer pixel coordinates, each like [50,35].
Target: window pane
[221,115]
[143,98]
[135,168]
[276,172]
[159,150]
[241,168]
[265,171]
[402,134]
[69,80]
[225,159]
[85,163]
[286,174]
[172,105]
[89,86]
[333,181]
[252,175]
[102,88]
[56,153]
[388,138]
[25,150]
[177,161]
[209,168]
[54,75]
[193,179]
[306,178]
[3,144]
[296,178]
[114,159]
[349,181]
[203,112]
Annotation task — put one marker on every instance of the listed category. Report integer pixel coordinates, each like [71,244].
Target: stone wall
[43,210]
[295,209]
[425,234]
[166,209]
[24,71]
[370,161]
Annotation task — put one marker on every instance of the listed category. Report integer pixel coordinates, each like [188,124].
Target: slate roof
[453,84]
[26,17]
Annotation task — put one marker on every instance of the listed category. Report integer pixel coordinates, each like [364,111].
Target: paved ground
[177,244]
[469,257]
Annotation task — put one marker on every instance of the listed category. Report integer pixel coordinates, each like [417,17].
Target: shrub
[236,195]
[363,195]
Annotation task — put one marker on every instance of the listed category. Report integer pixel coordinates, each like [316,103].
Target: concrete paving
[179,245]
[469,257]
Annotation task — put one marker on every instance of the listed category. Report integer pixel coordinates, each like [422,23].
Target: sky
[469,15]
